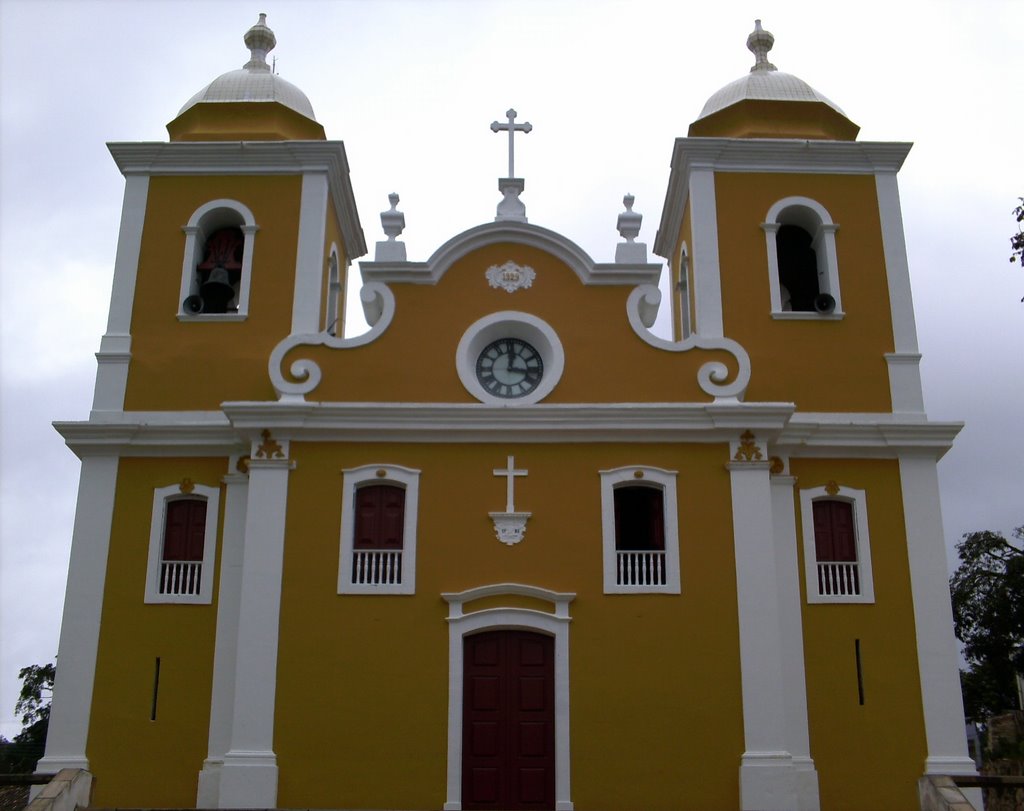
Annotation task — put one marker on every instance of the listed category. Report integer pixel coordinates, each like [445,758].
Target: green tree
[33,708]
[1017,240]
[988,615]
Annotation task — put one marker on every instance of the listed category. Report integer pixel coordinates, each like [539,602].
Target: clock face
[509,368]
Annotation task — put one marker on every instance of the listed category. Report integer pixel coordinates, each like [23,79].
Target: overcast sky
[411,88]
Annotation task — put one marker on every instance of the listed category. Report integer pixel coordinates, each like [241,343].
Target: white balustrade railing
[640,568]
[181,576]
[838,579]
[375,567]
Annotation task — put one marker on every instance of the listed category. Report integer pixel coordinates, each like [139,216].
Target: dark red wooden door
[508,721]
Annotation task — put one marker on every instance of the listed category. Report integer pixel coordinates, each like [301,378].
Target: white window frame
[158,522]
[333,314]
[205,220]
[858,500]
[816,221]
[646,476]
[409,480]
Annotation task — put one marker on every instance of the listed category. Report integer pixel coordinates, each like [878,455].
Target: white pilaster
[225,652]
[787,574]
[904,362]
[707,282]
[933,616]
[115,346]
[767,775]
[249,771]
[80,628]
[309,257]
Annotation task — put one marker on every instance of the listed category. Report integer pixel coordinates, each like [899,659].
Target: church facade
[509,548]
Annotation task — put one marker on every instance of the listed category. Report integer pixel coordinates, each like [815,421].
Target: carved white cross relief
[512,128]
[510,474]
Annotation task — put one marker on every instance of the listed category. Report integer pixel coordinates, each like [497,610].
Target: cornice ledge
[141,433]
[464,422]
[250,157]
[766,155]
[791,155]
[870,432]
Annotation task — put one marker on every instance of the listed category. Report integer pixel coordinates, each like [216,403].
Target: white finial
[630,251]
[260,41]
[511,207]
[393,223]
[759,43]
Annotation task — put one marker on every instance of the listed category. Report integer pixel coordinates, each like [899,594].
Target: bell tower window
[803,272]
[217,266]
[219,273]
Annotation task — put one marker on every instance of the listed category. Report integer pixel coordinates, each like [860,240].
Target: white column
[767,775]
[707,282]
[115,346]
[225,651]
[80,629]
[792,641]
[249,772]
[936,647]
[309,256]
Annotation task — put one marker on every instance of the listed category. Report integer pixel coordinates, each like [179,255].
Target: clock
[509,368]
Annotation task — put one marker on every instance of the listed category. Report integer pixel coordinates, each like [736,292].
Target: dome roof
[254,81]
[765,85]
[783,92]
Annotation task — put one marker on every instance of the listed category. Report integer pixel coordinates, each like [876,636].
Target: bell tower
[229,234]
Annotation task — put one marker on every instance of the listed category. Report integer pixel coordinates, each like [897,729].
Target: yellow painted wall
[361,714]
[414,359]
[218,361]
[137,761]
[867,756]
[820,365]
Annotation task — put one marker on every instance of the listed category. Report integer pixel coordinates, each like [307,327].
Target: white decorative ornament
[510,276]
[510,526]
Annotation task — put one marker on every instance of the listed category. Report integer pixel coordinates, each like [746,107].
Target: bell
[217,291]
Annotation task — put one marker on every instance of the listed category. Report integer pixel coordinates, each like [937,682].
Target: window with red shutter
[835,547]
[181,567]
[378,539]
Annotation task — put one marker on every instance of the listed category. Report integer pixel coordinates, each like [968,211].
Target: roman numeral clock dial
[509,368]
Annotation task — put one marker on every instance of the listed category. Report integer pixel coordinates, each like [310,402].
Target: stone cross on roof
[512,128]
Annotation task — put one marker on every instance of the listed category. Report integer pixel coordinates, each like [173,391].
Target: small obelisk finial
[759,43]
[393,223]
[260,41]
[630,251]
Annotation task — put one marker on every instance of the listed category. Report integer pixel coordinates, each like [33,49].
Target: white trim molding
[115,346]
[666,566]
[554,623]
[857,499]
[309,252]
[205,220]
[813,218]
[510,324]
[225,654]
[186,573]
[565,250]
[938,661]
[353,478]
[80,627]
